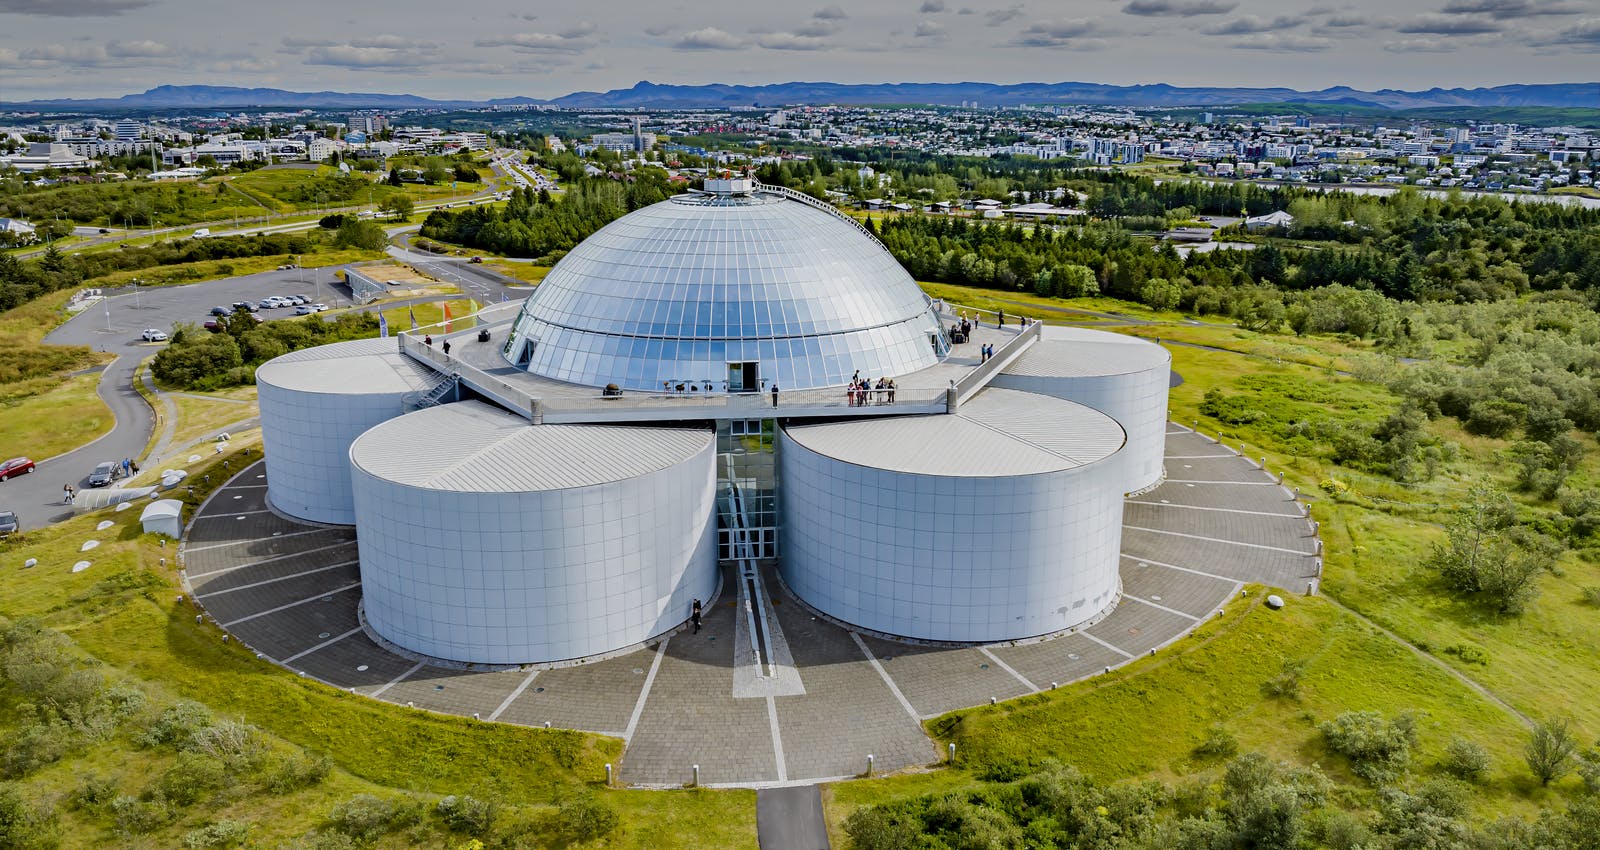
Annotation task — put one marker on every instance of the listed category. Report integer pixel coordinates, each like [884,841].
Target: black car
[247,305]
[103,474]
[8,523]
[220,311]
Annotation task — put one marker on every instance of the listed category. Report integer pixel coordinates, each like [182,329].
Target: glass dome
[692,289]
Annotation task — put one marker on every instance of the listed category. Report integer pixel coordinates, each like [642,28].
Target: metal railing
[825,207]
[1003,356]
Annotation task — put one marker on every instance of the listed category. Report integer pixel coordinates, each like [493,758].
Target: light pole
[136,294]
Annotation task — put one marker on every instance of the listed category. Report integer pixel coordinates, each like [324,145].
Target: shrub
[1591,595]
[1550,750]
[1469,653]
[24,826]
[191,779]
[236,746]
[585,818]
[1234,410]
[467,814]
[364,817]
[1466,760]
[223,833]
[1379,751]
[133,816]
[1218,743]
[295,772]
[93,791]
[1286,684]
[176,725]
[34,746]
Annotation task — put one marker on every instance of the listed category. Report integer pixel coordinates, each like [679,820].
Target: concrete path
[791,819]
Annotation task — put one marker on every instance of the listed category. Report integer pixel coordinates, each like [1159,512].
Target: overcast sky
[493,48]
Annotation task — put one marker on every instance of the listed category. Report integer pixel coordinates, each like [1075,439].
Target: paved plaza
[824,698]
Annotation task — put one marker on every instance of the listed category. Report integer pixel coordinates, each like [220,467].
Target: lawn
[212,269]
[126,612]
[42,422]
[525,272]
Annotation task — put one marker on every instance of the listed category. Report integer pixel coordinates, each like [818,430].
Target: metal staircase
[448,389]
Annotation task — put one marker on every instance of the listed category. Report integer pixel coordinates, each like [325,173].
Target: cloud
[1346,21]
[816,28]
[297,43]
[1178,8]
[567,41]
[709,38]
[1502,10]
[1448,25]
[1249,24]
[997,17]
[929,29]
[582,29]
[1583,34]
[1420,45]
[71,8]
[1280,43]
[830,13]
[393,42]
[241,66]
[930,7]
[82,54]
[966,11]
[140,49]
[1055,33]
[659,30]
[790,41]
[350,56]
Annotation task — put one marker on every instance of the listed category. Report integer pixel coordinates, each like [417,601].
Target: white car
[270,302]
[304,310]
[154,335]
[320,307]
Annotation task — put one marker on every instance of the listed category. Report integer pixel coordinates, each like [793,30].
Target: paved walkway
[290,591]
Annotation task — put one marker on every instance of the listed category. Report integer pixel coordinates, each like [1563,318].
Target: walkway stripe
[1218,540]
[777,740]
[512,697]
[644,693]
[871,659]
[1161,607]
[242,487]
[1218,510]
[275,558]
[1032,688]
[1272,483]
[256,539]
[398,679]
[231,514]
[1179,569]
[1198,457]
[246,619]
[1122,652]
[330,641]
[271,580]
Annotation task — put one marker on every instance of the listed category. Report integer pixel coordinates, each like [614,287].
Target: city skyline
[100,48]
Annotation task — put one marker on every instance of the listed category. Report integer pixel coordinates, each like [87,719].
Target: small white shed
[163,517]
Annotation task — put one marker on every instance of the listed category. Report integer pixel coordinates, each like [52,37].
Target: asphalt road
[114,326]
[790,819]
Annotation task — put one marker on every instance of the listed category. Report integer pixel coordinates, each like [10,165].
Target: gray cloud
[659,30]
[1178,8]
[1346,21]
[930,7]
[569,41]
[71,8]
[1447,25]
[816,28]
[1507,9]
[1250,24]
[1280,43]
[1420,45]
[384,52]
[298,43]
[393,42]
[1055,33]
[582,29]
[999,16]
[1583,34]
[709,38]
[830,13]
[790,41]
[140,49]
[929,29]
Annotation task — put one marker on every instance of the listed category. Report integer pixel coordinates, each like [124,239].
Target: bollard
[1152,652]
[1280,478]
[1108,670]
[1262,462]
[410,704]
[547,724]
[197,618]
[869,764]
[991,700]
[180,599]
[1319,568]
[163,542]
[952,753]
[164,563]
[696,780]
[1311,588]
[1053,686]
[475,716]
[225,640]
[608,774]
[1319,546]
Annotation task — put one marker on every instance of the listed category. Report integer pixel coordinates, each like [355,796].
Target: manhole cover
[538,690]
[638,670]
[1155,599]
[1133,631]
[327,599]
[438,687]
[238,497]
[1144,563]
[323,635]
[361,669]
[983,666]
[1072,656]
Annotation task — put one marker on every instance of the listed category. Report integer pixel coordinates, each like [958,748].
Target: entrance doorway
[743,377]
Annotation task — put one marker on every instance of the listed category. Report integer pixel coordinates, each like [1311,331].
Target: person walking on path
[447,346]
[69,492]
[695,617]
[1002,315]
[774,393]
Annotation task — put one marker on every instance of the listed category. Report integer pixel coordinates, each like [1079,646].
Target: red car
[14,467]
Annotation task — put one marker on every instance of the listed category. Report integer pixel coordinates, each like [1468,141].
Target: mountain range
[647,94]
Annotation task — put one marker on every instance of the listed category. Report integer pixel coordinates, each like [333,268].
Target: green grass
[181,273]
[124,611]
[47,422]
[525,272]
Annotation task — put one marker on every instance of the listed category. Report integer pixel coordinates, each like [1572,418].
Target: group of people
[864,391]
[985,352]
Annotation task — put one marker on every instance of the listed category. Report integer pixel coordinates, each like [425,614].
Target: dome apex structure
[737,286]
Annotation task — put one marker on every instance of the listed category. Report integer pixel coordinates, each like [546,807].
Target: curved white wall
[545,575]
[314,404]
[1136,398]
[950,558]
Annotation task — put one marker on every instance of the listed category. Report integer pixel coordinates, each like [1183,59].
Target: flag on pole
[383,326]
[447,317]
[413,313]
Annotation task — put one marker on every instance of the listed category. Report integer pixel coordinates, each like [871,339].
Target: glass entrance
[743,377]
[747,491]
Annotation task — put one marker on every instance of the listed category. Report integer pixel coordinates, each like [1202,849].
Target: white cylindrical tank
[314,403]
[485,539]
[1000,522]
[1124,377]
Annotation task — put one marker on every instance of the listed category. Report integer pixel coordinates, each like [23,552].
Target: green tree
[397,206]
[1550,750]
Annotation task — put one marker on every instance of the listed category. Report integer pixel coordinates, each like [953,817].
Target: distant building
[42,155]
[128,130]
[1269,221]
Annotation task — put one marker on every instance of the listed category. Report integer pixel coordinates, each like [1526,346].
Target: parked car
[213,326]
[287,266]
[154,335]
[272,302]
[220,311]
[8,523]
[476,260]
[246,305]
[14,467]
[318,308]
[304,310]
[298,299]
[103,474]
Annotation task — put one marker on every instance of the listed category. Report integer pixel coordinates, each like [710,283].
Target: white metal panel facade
[950,558]
[1123,377]
[535,576]
[314,404]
